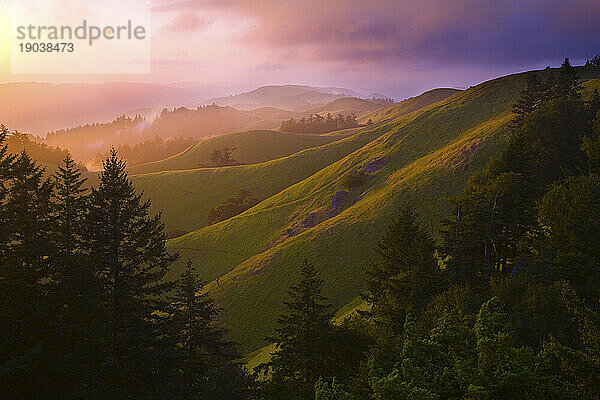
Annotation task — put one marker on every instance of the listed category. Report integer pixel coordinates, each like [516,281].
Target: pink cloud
[187,21]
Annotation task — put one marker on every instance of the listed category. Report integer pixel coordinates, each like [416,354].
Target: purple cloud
[503,32]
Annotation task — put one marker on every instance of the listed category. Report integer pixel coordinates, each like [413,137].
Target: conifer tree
[6,162]
[303,337]
[406,275]
[207,364]
[567,84]
[25,211]
[130,258]
[530,99]
[73,287]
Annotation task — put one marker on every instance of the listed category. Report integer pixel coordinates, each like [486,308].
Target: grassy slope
[251,147]
[431,152]
[185,197]
[346,105]
[408,105]
[263,354]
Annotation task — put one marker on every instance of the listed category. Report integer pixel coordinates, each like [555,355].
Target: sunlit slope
[251,147]
[408,105]
[185,197]
[430,154]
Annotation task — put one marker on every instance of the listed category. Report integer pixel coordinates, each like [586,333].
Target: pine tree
[207,364]
[568,85]
[406,275]
[130,258]
[304,337]
[73,287]
[530,99]
[25,211]
[6,163]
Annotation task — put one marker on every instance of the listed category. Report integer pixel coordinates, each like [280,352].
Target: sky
[397,48]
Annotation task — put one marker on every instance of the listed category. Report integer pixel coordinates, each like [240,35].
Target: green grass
[251,147]
[185,197]
[408,105]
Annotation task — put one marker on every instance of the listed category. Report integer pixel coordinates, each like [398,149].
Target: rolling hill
[186,196]
[424,156]
[251,147]
[345,106]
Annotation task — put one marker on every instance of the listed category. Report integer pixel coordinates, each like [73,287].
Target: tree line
[316,124]
[87,308]
[149,150]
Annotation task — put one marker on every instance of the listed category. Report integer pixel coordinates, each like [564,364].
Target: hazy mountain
[288,97]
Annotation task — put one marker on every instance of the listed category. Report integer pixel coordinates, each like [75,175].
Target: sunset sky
[398,48]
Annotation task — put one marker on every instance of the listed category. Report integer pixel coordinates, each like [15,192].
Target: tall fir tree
[405,276]
[25,213]
[130,258]
[530,99]
[567,84]
[206,364]
[303,337]
[73,285]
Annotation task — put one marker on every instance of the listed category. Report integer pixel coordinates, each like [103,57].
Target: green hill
[425,156]
[251,147]
[345,106]
[185,197]
[408,105]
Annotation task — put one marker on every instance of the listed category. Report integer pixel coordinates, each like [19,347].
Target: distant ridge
[288,97]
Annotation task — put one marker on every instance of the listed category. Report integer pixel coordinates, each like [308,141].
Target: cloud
[269,66]
[502,32]
[187,21]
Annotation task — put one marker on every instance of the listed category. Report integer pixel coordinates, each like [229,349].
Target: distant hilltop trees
[316,124]
[382,100]
[594,62]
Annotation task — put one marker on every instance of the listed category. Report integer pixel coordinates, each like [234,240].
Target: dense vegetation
[153,149]
[17,142]
[316,124]
[82,291]
[242,200]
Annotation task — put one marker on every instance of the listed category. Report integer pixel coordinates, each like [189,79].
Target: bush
[354,180]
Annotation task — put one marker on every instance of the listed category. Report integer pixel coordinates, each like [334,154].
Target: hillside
[87,141]
[186,196]
[424,156]
[251,147]
[408,105]
[48,156]
[345,106]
